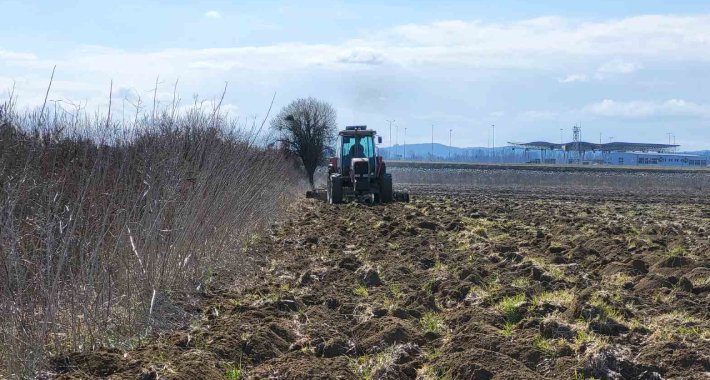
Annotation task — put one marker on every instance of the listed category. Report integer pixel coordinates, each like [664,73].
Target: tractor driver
[357,150]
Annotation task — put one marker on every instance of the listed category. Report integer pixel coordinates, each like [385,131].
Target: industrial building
[615,153]
[654,159]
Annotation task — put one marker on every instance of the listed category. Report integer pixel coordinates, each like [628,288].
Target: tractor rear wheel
[386,189]
[335,190]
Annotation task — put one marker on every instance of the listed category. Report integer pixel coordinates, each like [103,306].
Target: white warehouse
[654,159]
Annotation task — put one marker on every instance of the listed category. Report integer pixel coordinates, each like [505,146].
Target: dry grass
[104,223]
[559,298]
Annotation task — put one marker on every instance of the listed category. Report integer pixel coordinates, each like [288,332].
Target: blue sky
[634,70]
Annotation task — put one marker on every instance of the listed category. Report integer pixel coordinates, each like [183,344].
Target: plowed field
[461,283]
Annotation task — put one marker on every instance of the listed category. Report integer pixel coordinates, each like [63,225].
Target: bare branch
[47,94]
[265,118]
[214,113]
[110,98]
[155,95]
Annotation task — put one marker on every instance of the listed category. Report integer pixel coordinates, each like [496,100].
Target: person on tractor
[357,150]
[357,171]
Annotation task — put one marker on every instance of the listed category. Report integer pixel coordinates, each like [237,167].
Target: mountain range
[441,151]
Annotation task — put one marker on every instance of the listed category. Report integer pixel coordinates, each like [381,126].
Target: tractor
[357,171]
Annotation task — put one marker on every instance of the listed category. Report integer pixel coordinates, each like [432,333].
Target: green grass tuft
[235,372]
[507,330]
[677,251]
[361,291]
[511,308]
[432,321]
[542,344]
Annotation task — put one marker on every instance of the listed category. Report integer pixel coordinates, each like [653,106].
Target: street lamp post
[432,142]
[396,137]
[494,142]
[675,148]
[450,144]
[488,144]
[391,121]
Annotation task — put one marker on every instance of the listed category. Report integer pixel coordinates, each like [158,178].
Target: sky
[628,71]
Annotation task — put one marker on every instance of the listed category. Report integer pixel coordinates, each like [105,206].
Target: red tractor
[357,170]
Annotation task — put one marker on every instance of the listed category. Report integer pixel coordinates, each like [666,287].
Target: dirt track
[462,283]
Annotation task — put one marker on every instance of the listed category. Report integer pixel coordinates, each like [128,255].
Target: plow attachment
[322,194]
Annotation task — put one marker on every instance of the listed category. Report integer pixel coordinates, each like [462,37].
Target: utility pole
[405,143]
[494,141]
[391,121]
[432,142]
[675,148]
[397,139]
[611,138]
[669,138]
[602,149]
[488,144]
[450,144]
[560,136]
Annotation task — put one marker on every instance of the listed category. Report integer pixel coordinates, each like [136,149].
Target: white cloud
[433,56]
[213,14]
[362,56]
[609,68]
[97,49]
[538,116]
[438,116]
[619,67]
[574,78]
[542,43]
[212,65]
[647,108]
[15,56]
[545,42]
[230,109]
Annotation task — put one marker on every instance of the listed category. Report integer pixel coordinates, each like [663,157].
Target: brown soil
[459,284]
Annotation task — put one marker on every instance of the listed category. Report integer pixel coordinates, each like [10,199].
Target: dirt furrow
[454,285]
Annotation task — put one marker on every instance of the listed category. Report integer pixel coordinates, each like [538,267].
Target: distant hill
[441,151]
[698,152]
[422,151]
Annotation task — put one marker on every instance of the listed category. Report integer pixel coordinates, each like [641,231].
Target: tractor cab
[356,168]
[357,143]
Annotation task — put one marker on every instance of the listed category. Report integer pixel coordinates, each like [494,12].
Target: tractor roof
[359,129]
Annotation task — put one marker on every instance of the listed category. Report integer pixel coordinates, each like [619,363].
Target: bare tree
[307,129]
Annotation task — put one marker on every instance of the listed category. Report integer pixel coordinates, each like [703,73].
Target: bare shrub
[99,217]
